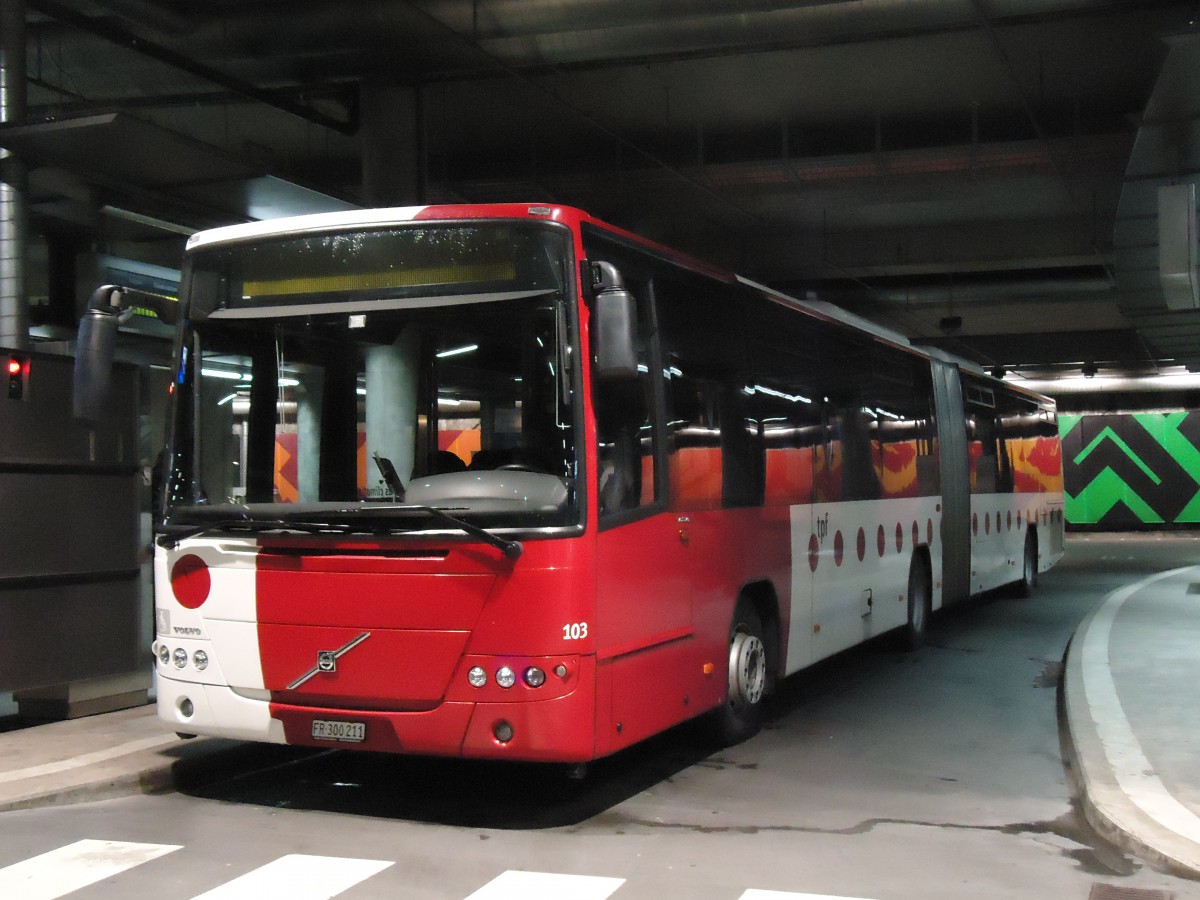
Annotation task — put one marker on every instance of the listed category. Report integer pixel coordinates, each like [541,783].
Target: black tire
[1023,586]
[920,605]
[740,717]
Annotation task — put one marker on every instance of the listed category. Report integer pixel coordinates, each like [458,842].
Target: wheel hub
[747,669]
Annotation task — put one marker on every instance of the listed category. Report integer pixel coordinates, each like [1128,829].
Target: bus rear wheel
[741,715]
[920,602]
[1029,566]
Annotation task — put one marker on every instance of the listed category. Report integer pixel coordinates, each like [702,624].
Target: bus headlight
[534,677]
[200,660]
[505,677]
[477,676]
[164,654]
[180,657]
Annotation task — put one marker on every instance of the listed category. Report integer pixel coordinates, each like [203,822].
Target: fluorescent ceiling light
[221,373]
[456,351]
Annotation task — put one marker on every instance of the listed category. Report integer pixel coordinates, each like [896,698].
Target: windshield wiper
[511,549]
[171,535]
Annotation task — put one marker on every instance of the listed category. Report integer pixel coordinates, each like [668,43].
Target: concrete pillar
[308,437]
[14,299]
[393,374]
[393,153]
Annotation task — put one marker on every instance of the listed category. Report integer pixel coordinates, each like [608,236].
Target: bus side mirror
[615,325]
[108,307]
[93,364]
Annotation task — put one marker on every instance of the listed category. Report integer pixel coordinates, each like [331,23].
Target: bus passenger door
[642,619]
[645,645]
[956,487]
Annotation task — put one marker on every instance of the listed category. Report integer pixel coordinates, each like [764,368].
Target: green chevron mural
[1131,470]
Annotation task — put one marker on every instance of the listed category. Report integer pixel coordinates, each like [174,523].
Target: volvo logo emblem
[327,660]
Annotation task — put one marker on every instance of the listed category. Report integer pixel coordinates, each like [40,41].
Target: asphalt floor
[1132,716]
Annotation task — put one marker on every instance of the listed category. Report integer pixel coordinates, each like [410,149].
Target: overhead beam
[123,37]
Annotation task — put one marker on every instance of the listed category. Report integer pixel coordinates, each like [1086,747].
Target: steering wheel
[519,467]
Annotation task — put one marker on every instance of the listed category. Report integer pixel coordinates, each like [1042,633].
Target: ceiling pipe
[14,300]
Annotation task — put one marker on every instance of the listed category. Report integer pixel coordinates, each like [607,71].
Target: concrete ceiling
[979,174]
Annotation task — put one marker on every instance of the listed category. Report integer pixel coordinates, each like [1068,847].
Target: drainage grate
[1112,892]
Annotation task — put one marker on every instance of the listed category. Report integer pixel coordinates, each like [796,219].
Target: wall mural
[1131,470]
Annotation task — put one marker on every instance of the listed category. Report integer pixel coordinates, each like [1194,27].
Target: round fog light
[534,677]
[164,654]
[505,677]
[186,708]
[180,657]
[200,659]
[503,732]
[477,676]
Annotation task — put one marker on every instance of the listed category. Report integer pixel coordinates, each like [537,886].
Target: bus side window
[785,402]
[991,470]
[717,453]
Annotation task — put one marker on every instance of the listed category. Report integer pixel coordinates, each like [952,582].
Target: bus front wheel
[741,715]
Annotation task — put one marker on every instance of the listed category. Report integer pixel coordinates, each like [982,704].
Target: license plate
[325,730]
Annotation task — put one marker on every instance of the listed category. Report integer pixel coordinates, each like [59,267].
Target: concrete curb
[129,753]
[1107,806]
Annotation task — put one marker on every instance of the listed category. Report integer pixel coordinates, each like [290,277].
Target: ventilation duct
[1177,246]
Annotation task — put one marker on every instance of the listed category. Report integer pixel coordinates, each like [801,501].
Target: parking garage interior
[1009,181]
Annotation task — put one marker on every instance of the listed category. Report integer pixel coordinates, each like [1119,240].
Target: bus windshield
[353,376]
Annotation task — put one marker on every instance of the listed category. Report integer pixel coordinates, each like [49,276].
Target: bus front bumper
[555,730]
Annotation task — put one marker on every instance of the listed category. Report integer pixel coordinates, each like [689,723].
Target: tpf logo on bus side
[823,527]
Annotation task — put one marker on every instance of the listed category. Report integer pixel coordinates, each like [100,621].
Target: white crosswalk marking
[299,877]
[514,885]
[74,866]
[755,894]
[296,876]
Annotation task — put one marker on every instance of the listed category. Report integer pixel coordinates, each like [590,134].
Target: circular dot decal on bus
[916,534]
[975,523]
[881,541]
[862,545]
[929,531]
[1010,520]
[838,548]
[899,537]
[987,523]
[813,550]
[190,581]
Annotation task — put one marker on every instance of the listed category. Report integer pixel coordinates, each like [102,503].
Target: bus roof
[377,217]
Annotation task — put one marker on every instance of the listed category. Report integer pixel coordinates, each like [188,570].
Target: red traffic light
[18,370]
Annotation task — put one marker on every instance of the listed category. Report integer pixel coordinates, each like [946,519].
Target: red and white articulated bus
[507,482]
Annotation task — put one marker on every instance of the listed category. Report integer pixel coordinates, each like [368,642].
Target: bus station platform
[1130,702]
